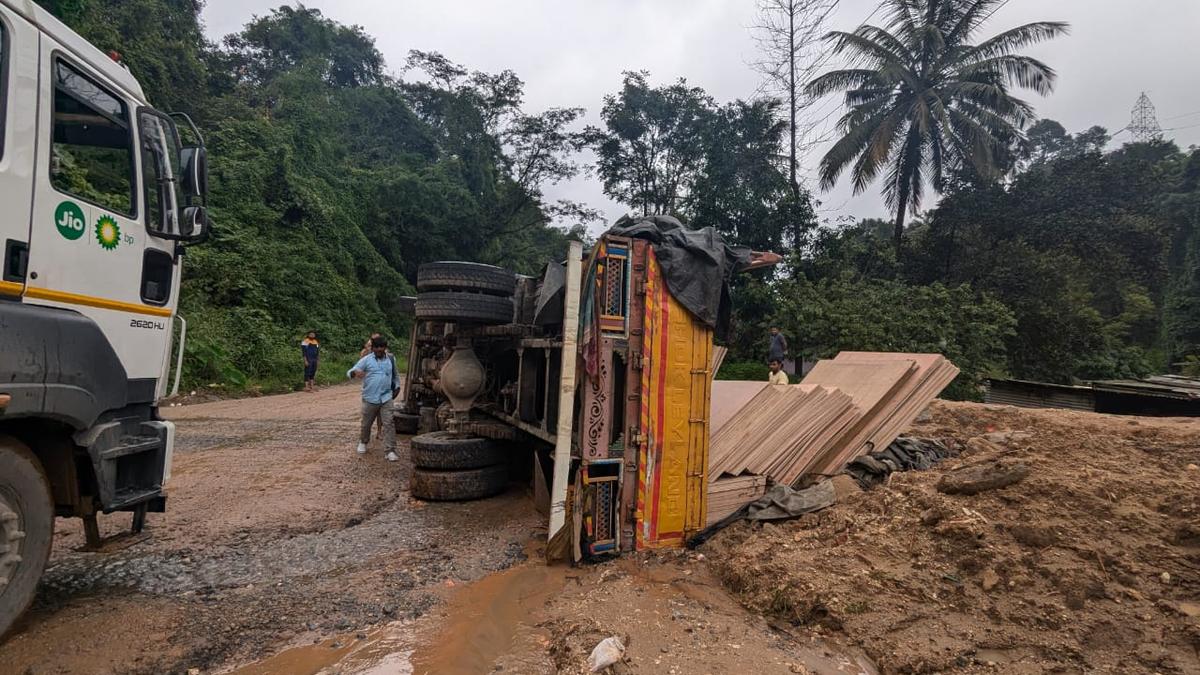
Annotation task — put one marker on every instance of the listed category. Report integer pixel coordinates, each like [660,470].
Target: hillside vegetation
[331,179]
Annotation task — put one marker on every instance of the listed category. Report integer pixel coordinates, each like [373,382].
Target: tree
[292,37]
[741,188]
[787,34]
[924,102]
[652,143]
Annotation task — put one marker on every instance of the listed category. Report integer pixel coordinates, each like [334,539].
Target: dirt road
[276,532]
[285,553]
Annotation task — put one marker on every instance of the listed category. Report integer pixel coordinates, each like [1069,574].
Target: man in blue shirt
[378,373]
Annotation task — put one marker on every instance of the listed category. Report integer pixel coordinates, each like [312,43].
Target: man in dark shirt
[779,346]
[310,349]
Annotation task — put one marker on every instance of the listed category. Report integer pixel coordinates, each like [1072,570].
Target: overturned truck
[592,379]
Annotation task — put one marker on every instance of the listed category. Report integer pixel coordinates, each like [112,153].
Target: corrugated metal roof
[1025,394]
[1166,386]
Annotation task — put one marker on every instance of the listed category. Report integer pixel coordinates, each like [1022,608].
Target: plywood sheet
[730,494]
[728,398]
[934,373]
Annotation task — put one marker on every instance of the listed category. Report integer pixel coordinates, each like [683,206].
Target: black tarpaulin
[696,264]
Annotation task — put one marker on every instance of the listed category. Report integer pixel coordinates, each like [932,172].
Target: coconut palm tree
[924,102]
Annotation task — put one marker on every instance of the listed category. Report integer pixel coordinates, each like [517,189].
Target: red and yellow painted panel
[673,457]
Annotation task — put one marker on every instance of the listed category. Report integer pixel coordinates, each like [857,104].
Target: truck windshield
[160,169]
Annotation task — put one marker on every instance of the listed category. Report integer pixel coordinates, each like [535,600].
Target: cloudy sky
[572,52]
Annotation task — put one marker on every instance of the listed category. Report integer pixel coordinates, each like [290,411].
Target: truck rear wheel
[26,529]
[448,486]
[441,450]
[466,276]
[406,423]
[464,307]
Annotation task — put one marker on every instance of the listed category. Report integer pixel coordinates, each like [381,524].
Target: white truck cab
[97,200]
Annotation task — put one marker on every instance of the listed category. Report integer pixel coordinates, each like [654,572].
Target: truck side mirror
[194,225]
[194,181]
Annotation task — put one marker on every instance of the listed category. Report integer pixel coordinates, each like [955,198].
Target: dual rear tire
[457,468]
[465,292]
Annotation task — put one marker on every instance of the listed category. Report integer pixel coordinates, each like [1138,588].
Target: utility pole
[1144,126]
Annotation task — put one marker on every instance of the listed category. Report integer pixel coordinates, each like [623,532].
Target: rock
[982,446]
[1193,467]
[975,478]
[1186,608]
[931,516]
[1034,535]
[1074,599]
[925,416]
[193,671]
[1007,437]
[361,636]
[989,579]
[1165,577]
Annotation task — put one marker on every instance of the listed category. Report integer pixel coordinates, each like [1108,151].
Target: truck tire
[406,423]
[466,276]
[464,307]
[449,486]
[26,528]
[441,450]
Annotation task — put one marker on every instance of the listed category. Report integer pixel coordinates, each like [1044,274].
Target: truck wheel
[442,486]
[26,528]
[406,423]
[466,276]
[471,307]
[441,450]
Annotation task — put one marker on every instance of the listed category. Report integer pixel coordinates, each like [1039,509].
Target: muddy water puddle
[480,622]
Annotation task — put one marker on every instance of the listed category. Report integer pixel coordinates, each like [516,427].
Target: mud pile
[1057,542]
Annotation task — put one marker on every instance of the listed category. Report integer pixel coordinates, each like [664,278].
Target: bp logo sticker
[68,218]
[108,233]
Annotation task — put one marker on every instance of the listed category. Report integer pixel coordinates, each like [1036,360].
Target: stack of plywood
[926,376]
[845,407]
[770,437]
[730,493]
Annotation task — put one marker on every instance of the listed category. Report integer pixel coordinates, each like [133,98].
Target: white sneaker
[392,457]
[362,448]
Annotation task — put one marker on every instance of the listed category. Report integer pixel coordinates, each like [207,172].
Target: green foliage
[1088,250]
[825,317]
[744,370]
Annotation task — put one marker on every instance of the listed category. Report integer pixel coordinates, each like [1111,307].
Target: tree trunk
[898,235]
[792,93]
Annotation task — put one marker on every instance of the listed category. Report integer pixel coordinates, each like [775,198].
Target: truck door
[88,245]
[18,117]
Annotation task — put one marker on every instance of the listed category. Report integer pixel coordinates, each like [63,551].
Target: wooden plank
[728,398]
[718,357]
[873,388]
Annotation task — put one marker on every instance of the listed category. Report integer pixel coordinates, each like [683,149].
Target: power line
[1187,114]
